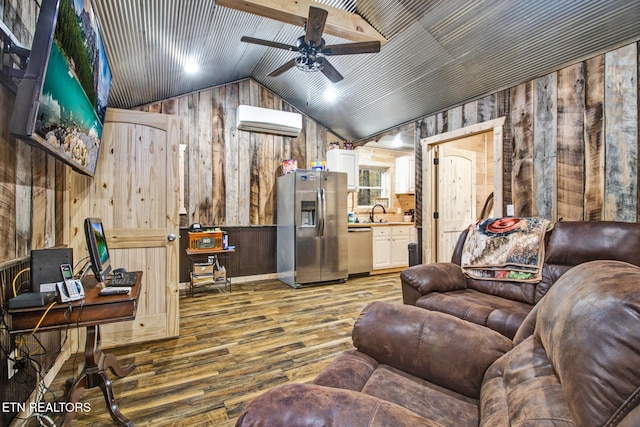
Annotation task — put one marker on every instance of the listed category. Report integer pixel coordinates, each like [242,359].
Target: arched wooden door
[456,196]
[135,192]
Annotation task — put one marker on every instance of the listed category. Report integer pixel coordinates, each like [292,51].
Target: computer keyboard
[123,279]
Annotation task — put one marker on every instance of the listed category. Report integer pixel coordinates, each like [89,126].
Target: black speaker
[45,265]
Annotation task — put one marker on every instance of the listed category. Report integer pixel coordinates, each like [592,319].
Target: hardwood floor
[232,347]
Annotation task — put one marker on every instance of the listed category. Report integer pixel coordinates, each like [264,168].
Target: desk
[94,311]
[210,257]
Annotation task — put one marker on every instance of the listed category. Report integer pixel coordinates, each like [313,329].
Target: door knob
[171,237]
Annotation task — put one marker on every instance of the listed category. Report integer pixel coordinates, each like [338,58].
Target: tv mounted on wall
[62,99]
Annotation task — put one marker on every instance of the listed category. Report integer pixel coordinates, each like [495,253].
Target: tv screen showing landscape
[67,117]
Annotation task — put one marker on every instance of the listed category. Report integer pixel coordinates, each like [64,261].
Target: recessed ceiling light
[330,94]
[191,66]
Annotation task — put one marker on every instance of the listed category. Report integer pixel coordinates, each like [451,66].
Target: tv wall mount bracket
[15,58]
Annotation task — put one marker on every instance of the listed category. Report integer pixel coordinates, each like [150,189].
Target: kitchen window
[373,184]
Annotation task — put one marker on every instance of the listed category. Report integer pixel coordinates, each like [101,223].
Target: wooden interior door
[135,192]
[456,196]
[486,140]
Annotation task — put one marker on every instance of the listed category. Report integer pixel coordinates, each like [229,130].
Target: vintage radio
[206,241]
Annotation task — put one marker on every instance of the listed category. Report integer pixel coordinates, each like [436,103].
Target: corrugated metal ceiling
[439,52]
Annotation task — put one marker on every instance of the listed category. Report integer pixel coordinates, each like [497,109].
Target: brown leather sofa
[574,362]
[502,306]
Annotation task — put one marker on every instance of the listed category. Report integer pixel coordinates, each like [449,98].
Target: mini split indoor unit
[256,119]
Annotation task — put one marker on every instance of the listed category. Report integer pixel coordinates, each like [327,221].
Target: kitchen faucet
[384,211]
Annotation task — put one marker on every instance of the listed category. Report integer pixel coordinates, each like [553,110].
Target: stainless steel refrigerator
[312,228]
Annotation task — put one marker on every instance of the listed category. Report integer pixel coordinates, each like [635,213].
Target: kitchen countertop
[377,224]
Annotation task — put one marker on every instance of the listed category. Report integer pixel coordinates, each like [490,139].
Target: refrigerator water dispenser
[308,213]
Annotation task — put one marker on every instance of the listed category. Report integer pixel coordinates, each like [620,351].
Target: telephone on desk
[69,289]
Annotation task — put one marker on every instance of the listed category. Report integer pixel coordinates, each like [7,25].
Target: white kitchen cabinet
[400,239]
[345,161]
[405,174]
[390,246]
[381,247]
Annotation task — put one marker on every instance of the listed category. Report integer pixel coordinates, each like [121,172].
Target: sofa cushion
[516,291]
[314,405]
[508,320]
[356,371]
[521,389]
[500,314]
[425,399]
[575,242]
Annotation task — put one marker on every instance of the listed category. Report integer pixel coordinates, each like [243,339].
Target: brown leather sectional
[573,362]
[502,306]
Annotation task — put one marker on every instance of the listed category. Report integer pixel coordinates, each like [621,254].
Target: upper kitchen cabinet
[405,175]
[345,161]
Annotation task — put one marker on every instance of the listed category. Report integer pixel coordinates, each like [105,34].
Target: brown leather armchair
[573,362]
[502,306]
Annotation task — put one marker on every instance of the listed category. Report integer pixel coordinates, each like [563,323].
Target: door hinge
[436,161]
[436,215]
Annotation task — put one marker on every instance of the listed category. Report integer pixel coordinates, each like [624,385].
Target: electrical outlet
[11,370]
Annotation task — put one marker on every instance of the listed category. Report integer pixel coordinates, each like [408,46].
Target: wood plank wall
[230,175]
[570,139]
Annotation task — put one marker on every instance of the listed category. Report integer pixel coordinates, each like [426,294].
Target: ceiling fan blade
[330,72]
[268,43]
[352,48]
[283,68]
[315,25]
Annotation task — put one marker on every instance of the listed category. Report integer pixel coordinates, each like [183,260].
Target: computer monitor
[98,250]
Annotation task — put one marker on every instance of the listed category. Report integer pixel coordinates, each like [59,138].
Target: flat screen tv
[62,99]
[98,250]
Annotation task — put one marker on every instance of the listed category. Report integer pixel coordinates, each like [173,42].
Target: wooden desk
[94,311]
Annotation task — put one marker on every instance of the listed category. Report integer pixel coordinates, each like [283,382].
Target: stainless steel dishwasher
[360,250]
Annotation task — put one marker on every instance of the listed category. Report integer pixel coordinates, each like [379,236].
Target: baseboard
[254,278]
[387,270]
[241,279]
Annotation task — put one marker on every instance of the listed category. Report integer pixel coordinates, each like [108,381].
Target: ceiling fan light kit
[312,48]
[305,63]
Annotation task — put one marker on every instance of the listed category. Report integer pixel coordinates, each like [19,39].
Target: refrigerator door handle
[322,211]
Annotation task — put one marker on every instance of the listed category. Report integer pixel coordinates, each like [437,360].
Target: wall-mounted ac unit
[256,119]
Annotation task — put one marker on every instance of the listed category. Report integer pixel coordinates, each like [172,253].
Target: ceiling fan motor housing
[303,47]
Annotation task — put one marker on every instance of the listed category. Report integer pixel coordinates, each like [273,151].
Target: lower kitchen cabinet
[390,245]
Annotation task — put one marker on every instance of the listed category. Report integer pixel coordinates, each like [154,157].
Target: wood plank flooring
[232,347]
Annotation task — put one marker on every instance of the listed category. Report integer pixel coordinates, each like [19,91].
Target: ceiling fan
[313,50]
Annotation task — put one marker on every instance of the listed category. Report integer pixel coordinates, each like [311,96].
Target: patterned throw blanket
[510,249]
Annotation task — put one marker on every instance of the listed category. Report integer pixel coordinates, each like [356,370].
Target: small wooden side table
[204,259]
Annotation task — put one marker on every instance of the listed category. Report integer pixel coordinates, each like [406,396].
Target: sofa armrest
[436,277]
[314,405]
[437,347]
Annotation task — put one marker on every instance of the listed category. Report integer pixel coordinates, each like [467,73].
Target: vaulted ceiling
[437,53]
